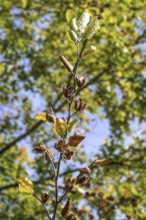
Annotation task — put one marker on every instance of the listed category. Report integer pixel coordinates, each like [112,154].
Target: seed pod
[90,50]
[85,170]
[83,21]
[81,81]
[66,64]
[45,197]
[69,92]
[73,25]
[68,154]
[69,184]
[82,179]
[80,105]
[73,36]
[49,154]
[50,116]
[71,216]
[66,210]
[41,148]
[60,146]
[92,28]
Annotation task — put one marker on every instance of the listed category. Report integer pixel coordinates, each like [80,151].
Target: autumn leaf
[100,162]
[76,139]
[25,185]
[41,116]
[60,126]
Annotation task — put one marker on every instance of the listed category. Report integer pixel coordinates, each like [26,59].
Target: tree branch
[35,126]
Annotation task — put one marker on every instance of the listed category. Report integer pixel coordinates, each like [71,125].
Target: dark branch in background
[37,125]
[121,164]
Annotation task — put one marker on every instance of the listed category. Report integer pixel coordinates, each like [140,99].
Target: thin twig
[36,196]
[56,187]
[62,197]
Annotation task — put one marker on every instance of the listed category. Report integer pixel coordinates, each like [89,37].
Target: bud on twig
[69,92]
[41,148]
[92,28]
[50,116]
[67,65]
[82,179]
[80,105]
[45,197]
[83,21]
[69,184]
[73,36]
[85,170]
[71,217]
[60,146]
[81,81]
[73,25]
[68,154]
[49,154]
[66,210]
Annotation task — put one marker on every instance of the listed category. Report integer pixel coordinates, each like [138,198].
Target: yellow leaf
[60,126]
[41,116]
[24,3]
[70,14]
[25,185]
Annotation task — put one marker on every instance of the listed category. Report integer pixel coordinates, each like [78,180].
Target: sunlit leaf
[72,124]
[25,185]
[60,126]
[41,116]
[70,14]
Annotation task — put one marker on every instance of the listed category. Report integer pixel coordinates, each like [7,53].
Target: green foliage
[33,37]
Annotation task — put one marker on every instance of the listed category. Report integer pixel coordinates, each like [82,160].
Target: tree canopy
[33,35]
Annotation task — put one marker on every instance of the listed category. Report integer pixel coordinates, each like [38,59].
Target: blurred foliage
[32,37]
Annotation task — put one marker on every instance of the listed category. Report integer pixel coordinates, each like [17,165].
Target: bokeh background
[32,37]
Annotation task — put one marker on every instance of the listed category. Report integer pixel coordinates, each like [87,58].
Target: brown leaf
[66,210]
[76,139]
[100,162]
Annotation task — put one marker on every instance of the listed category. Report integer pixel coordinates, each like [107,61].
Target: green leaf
[72,124]
[92,28]
[25,185]
[70,14]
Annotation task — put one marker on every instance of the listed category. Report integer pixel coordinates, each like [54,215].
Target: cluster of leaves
[30,63]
